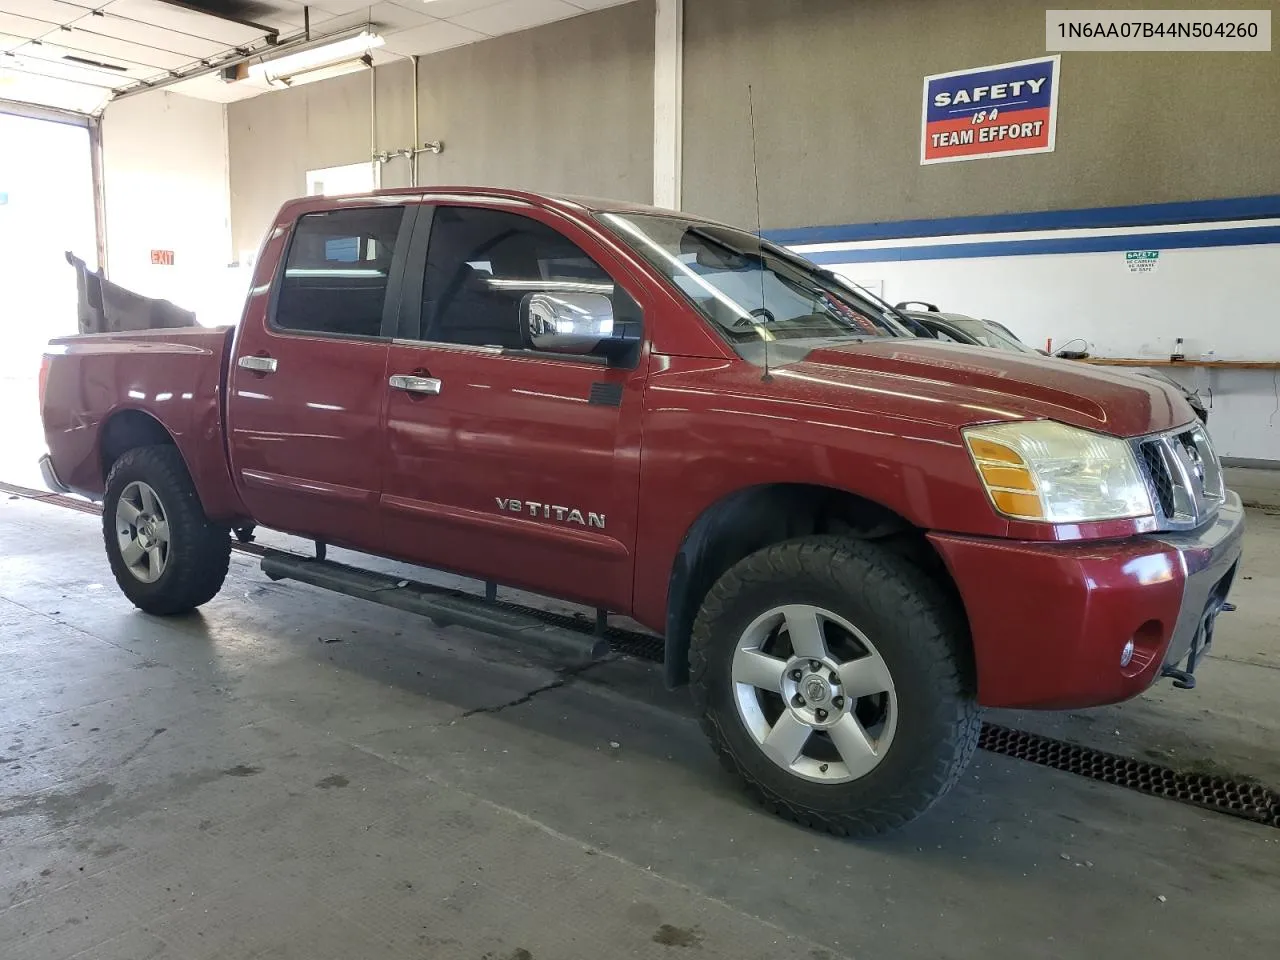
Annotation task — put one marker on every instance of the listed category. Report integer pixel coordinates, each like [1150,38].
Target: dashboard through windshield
[750,289]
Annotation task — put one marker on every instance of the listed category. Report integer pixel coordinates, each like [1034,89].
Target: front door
[503,463]
[307,386]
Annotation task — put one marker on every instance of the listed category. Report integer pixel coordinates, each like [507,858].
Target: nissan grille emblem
[1196,461]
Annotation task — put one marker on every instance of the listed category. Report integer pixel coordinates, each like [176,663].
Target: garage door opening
[46,209]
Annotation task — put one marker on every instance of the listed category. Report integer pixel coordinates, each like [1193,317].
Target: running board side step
[445,608]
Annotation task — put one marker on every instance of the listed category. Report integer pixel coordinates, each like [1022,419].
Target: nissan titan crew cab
[851,539]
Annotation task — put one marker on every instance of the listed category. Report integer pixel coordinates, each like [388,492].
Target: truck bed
[98,387]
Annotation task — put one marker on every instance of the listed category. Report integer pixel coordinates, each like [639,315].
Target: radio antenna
[755,174]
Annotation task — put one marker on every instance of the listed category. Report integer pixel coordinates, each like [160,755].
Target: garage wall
[164,160]
[837,88]
[274,139]
[564,107]
[1207,295]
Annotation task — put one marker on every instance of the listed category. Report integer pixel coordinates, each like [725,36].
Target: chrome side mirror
[574,323]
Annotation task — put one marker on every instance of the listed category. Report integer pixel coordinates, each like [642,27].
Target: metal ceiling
[77,55]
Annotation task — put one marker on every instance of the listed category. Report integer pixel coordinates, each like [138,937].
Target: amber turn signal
[1012,478]
[1008,479]
[1022,505]
[984,449]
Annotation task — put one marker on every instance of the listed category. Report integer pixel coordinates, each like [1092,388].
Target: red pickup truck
[849,538]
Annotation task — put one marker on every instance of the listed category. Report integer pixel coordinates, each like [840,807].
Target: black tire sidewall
[155,466]
[925,712]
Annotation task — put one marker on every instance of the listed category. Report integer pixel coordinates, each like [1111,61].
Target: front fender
[708,433]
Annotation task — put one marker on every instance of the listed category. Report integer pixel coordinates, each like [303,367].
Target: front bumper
[1049,621]
[1209,561]
[50,475]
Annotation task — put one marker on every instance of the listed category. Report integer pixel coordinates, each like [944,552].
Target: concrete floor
[230,785]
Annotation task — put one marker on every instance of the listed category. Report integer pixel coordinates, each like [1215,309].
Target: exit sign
[162,258]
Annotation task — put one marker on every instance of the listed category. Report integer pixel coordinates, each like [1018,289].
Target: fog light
[1126,655]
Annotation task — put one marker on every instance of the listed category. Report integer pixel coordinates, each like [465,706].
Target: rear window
[335,275]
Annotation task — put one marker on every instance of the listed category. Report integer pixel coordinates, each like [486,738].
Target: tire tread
[205,546]
[894,586]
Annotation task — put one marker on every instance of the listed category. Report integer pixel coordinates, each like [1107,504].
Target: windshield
[989,335]
[750,289]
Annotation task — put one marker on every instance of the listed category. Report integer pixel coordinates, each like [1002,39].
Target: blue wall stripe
[1240,236]
[1146,215]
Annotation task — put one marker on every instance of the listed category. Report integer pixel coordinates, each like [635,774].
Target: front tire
[167,557]
[834,678]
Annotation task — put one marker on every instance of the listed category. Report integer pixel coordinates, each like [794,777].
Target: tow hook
[1186,679]
[1182,679]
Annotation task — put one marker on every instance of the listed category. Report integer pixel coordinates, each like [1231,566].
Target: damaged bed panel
[106,307]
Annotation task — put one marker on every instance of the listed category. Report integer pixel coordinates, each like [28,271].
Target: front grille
[1183,475]
[1158,475]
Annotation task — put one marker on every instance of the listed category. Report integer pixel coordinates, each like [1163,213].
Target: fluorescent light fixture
[323,73]
[318,63]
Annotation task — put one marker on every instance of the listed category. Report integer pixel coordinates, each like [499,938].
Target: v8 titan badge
[995,111]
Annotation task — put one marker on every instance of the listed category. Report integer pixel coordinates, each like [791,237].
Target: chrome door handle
[411,384]
[258,364]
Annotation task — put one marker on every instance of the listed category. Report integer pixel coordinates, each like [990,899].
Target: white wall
[1220,300]
[166,187]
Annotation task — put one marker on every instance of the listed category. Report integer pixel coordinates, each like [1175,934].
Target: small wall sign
[1142,261]
[162,258]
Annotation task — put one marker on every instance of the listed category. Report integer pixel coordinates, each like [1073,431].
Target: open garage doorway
[46,208]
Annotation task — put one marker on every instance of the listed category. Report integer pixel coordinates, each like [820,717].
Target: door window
[335,276]
[481,263]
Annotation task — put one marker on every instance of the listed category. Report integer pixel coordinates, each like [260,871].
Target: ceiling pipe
[410,153]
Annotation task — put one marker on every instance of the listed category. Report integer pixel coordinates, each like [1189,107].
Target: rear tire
[167,557]
[834,678]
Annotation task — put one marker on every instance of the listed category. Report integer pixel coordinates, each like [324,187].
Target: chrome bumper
[1209,557]
[50,476]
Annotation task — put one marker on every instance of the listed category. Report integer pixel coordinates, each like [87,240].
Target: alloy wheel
[814,694]
[142,531]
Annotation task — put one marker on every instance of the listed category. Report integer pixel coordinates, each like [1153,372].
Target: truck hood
[974,384]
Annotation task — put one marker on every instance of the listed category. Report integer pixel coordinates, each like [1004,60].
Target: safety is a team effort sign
[996,111]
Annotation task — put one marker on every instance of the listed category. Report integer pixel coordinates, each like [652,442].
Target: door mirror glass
[574,323]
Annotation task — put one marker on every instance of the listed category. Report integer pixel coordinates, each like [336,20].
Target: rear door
[307,386]
[514,466]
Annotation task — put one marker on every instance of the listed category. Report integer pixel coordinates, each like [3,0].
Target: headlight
[1041,470]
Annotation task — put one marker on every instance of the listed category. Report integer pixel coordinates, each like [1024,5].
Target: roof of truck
[565,203]
[595,204]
